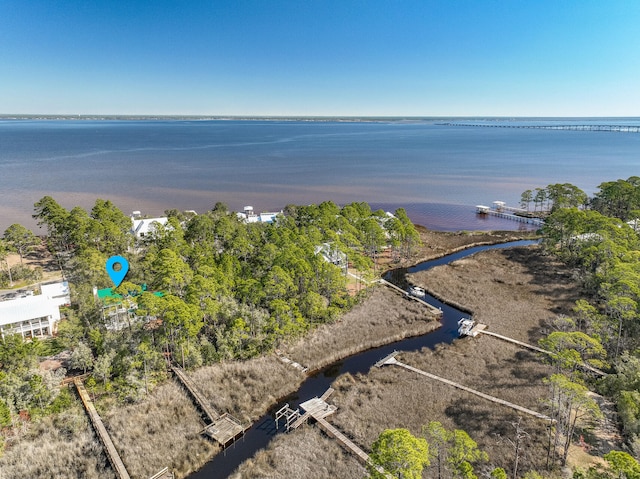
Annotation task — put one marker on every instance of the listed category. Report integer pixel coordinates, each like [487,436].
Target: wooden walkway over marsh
[318,409]
[391,360]
[223,428]
[536,348]
[430,307]
[109,448]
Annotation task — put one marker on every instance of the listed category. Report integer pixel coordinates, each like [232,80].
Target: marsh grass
[306,452]
[383,317]
[61,446]
[514,292]
[159,431]
[247,389]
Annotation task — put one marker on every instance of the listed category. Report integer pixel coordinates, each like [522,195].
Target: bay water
[437,171]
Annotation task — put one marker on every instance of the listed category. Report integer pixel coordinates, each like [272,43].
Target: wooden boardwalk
[347,443]
[109,448]
[223,428]
[390,359]
[203,404]
[433,309]
[536,348]
[318,409]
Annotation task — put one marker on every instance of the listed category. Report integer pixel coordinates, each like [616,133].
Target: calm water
[264,430]
[438,173]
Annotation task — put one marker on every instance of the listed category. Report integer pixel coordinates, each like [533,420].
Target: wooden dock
[431,308]
[536,348]
[509,216]
[109,448]
[319,409]
[223,428]
[391,360]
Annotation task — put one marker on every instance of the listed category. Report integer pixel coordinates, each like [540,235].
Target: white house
[59,292]
[31,316]
[142,227]
[248,216]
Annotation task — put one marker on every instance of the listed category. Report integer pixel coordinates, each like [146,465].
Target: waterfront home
[34,315]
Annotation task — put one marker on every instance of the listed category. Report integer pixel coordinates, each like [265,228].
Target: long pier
[540,350]
[606,128]
[391,360]
[109,448]
[510,216]
[431,308]
[223,428]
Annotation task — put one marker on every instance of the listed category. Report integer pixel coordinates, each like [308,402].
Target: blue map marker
[117,276]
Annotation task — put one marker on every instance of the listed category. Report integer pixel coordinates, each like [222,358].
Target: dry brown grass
[304,453]
[515,292]
[383,317]
[247,389]
[61,447]
[392,397]
[160,431]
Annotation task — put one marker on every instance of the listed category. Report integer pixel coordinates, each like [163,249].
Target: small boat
[465,325]
[417,292]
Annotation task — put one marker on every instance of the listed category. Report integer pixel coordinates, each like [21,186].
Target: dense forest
[211,287]
[200,289]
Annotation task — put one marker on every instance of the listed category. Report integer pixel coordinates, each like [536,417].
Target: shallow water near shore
[437,172]
[263,430]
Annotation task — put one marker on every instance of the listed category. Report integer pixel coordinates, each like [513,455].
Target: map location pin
[117,276]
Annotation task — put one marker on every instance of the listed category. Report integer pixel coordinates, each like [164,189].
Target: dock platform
[222,428]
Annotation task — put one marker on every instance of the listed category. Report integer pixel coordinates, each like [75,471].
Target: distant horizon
[97,116]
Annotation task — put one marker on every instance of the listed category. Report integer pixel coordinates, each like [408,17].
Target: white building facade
[35,316]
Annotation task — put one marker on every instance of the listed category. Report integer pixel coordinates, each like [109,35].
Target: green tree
[571,406]
[463,451]
[21,239]
[5,415]
[623,465]
[525,199]
[171,273]
[498,473]
[103,366]
[82,357]
[571,349]
[4,252]
[399,453]
[50,214]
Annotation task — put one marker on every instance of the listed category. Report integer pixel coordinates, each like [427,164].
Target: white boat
[465,325]
[417,291]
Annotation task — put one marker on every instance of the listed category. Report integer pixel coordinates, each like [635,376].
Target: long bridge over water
[609,128]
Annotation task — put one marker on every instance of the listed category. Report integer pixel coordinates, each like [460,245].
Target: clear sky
[321,57]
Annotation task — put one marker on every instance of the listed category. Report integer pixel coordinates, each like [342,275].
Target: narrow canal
[263,430]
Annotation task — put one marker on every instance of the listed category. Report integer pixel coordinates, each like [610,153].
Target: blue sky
[323,57]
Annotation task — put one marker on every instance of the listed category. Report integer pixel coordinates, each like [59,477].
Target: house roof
[24,309]
[144,226]
[59,292]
